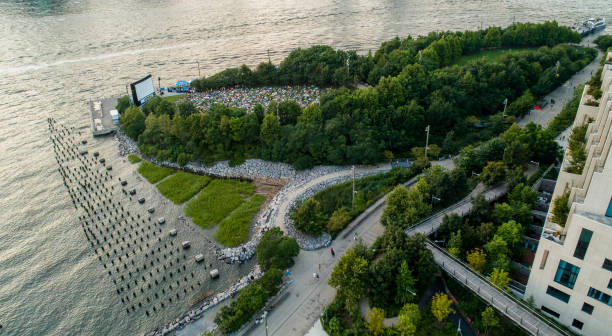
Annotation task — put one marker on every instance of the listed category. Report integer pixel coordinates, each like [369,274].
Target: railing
[513,315]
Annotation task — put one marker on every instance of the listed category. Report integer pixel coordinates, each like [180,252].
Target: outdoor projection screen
[142,90]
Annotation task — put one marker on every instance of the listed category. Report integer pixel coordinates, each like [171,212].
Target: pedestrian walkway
[433,222]
[527,318]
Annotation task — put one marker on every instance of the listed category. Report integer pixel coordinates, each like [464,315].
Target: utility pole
[269,62]
[505,104]
[427,140]
[353,202]
[199,75]
[159,84]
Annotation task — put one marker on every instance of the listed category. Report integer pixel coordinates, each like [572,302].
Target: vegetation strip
[234,229]
[154,173]
[182,186]
[217,200]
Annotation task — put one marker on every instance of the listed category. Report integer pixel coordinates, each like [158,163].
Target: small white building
[571,276]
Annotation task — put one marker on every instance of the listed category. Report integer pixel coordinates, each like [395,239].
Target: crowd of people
[248,98]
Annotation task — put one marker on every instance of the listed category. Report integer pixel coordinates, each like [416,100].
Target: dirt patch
[269,187]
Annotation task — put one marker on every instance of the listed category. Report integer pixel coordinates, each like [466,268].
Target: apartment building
[571,277]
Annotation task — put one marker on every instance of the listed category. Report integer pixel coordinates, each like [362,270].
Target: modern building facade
[571,277]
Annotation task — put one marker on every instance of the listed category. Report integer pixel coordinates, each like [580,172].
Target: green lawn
[181,186]
[489,55]
[217,200]
[234,229]
[153,172]
[133,158]
[174,98]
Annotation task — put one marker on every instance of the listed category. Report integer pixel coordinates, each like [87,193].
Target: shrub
[133,158]
[338,220]
[561,209]
[276,250]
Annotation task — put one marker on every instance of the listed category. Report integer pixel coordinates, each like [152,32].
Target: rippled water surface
[57,54]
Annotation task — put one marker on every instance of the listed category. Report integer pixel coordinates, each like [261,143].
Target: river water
[55,55]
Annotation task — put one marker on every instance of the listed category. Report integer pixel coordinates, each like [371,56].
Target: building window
[544,257]
[609,211]
[550,311]
[552,291]
[577,324]
[583,243]
[607,264]
[567,274]
[610,284]
[587,308]
[600,296]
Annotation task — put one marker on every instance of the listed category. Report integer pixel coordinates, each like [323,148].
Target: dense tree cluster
[603,42]
[462,103]
[324,66]
[391,274]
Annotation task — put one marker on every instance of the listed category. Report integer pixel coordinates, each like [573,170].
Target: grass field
[234,229]
[217,200]
[489,55]
[181,186]
[173,99]
[133,158]
[154,173]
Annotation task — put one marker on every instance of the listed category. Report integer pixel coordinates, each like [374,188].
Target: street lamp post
[198,63]
[353,193]
[427,139]
[437,199]
[159,84]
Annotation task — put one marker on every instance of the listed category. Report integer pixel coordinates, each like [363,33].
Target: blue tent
[181,83]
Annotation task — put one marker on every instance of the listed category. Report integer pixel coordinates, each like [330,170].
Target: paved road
[563,93]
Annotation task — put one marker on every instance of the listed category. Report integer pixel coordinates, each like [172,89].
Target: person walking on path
[355,236]
[332,252]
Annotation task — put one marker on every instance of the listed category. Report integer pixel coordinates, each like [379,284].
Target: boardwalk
[528,319]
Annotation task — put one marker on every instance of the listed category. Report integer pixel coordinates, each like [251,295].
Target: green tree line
[357,126]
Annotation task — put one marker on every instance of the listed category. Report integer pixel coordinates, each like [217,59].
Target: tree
[512,233]
[348,277]
[502,212]
[408,319]
[406,284]
[561,209]
[270,128]
[123,103]
[500,277]
[376,317]
[407,206]
[441,306]
[493,37]
[288,112]
[493,173]
[489,320]
[276,250]
[308,217]
[477,259]
[524,194]
[338,220]
[186,108]
[455,244]
[133,122]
